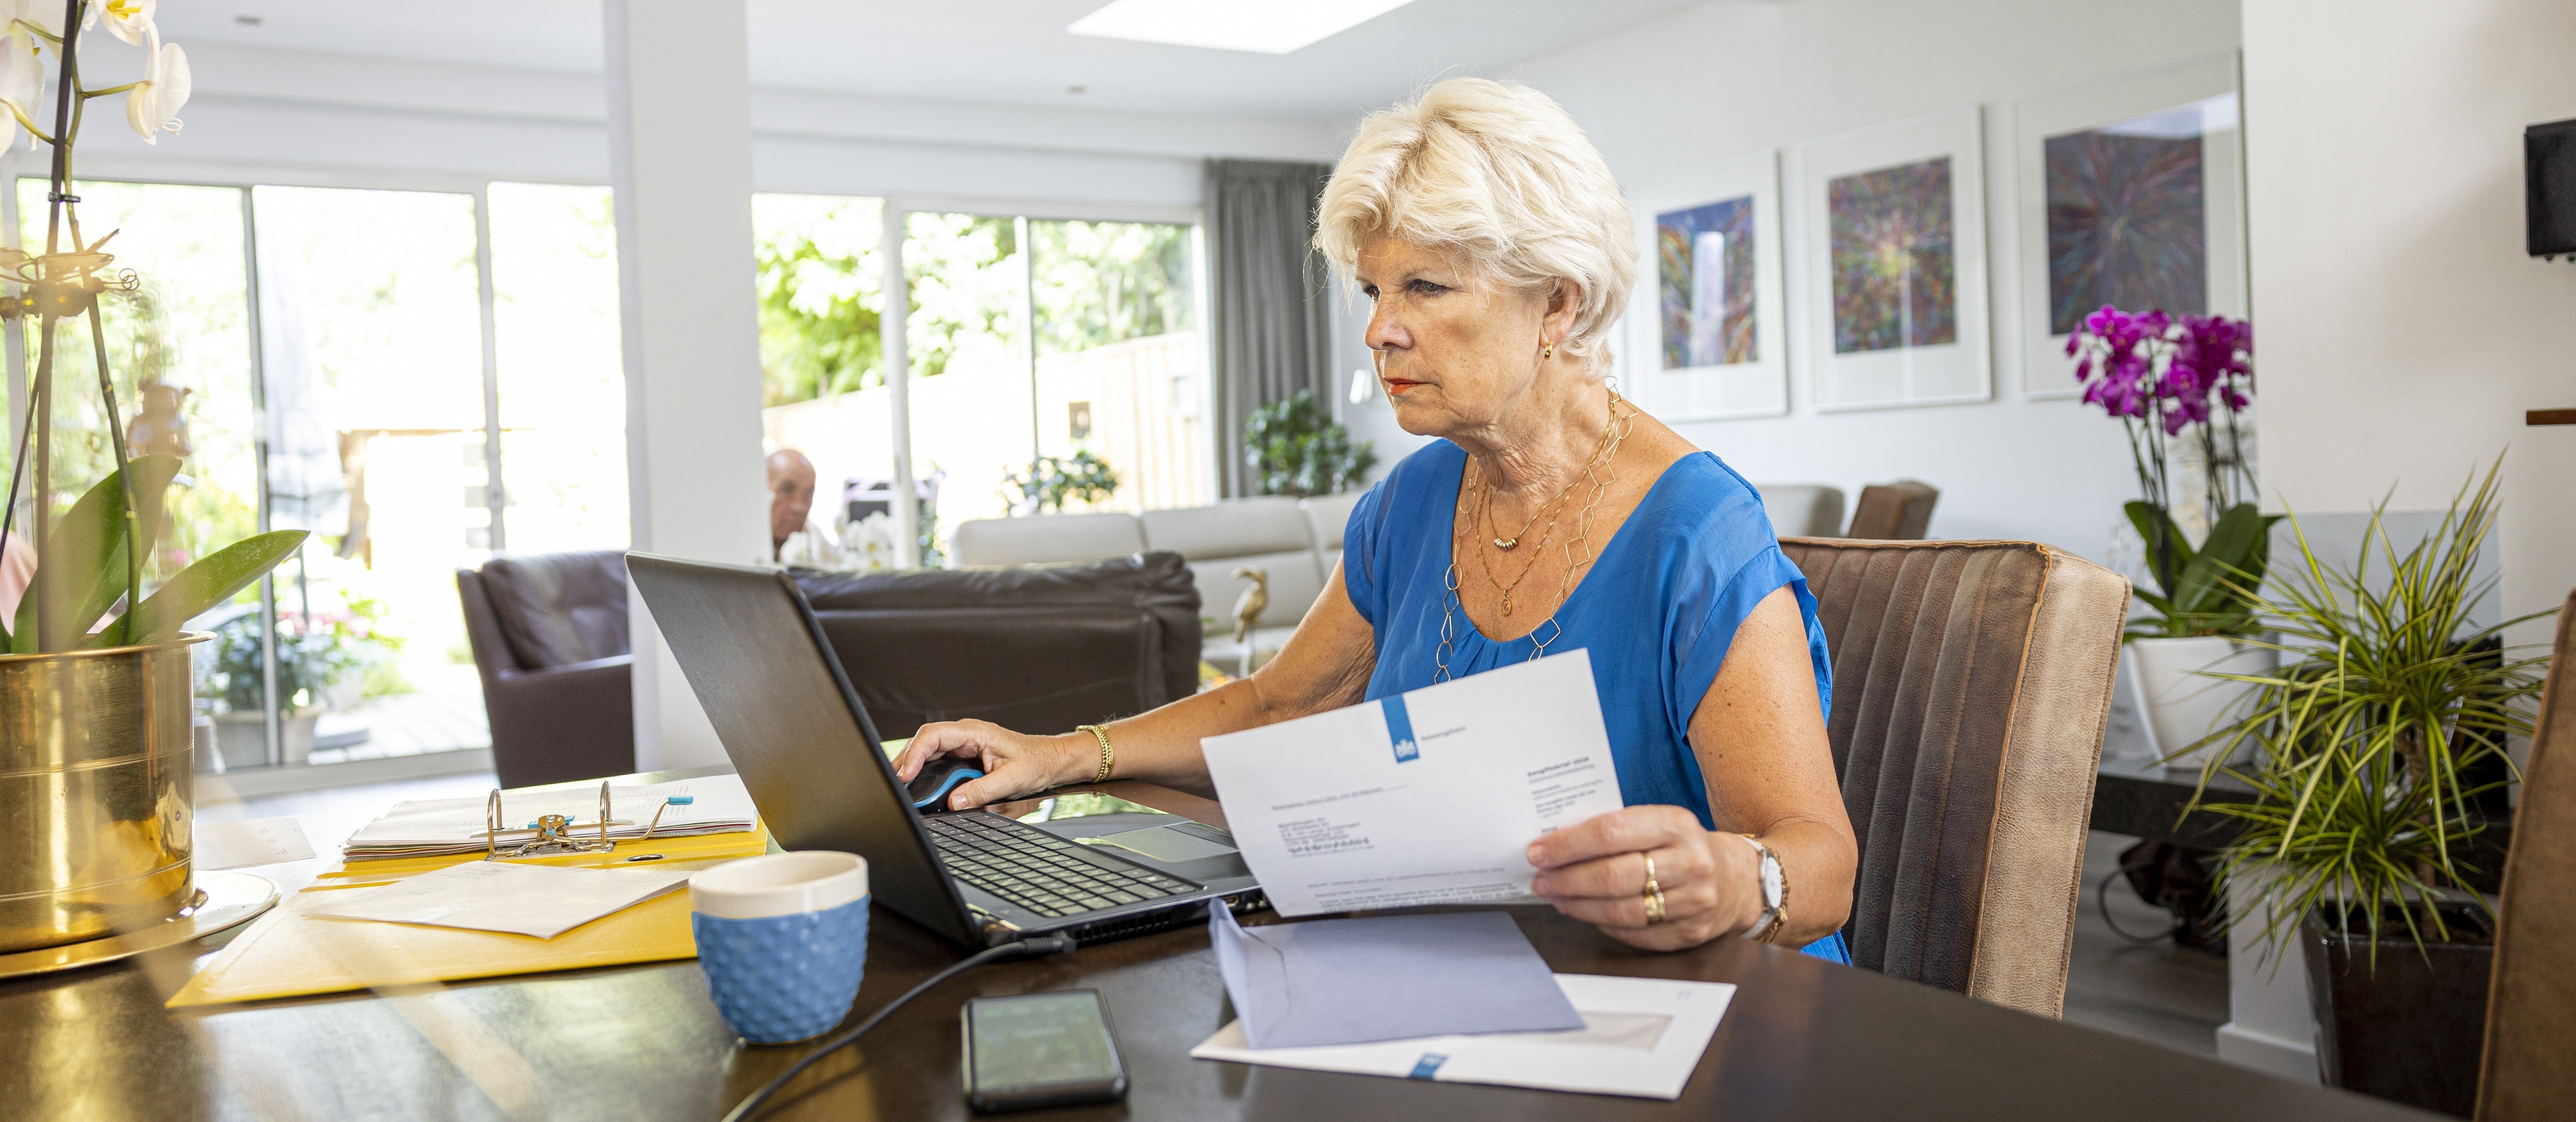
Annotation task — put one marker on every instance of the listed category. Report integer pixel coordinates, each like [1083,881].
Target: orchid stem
[111,90]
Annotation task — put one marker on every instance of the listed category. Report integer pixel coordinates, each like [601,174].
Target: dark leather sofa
[1038,649]
[550,638]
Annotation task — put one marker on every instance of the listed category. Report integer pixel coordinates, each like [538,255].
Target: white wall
[1722,79]
[2403,330]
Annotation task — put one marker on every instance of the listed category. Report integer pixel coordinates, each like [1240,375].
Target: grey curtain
[1272,333]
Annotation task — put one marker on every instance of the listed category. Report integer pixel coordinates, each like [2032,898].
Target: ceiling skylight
[1270,27]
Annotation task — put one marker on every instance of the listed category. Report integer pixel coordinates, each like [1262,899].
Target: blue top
[1657,611]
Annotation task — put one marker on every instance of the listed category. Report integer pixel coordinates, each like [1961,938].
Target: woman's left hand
[1595,871]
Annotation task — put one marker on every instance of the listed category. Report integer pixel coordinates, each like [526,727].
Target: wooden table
[1803,1040]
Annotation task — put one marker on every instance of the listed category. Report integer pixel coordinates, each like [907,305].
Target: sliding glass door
[340,361]
[1038,351]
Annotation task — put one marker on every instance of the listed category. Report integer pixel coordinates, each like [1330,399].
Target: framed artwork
[2129,191]
[1894,255]
[1706,320]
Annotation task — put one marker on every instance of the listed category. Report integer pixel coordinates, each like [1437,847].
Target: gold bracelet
[1108,755]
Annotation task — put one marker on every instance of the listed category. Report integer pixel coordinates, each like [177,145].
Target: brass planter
[95,799]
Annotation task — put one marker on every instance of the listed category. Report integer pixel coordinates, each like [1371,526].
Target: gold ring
[1653,892]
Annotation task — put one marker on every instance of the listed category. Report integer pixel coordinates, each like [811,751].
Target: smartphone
[1040,1049]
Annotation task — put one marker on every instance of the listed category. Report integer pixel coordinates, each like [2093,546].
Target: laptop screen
[794,729]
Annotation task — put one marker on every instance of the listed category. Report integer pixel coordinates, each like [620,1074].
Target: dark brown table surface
[1803,1040]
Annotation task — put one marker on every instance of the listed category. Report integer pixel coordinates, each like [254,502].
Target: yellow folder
[288,953]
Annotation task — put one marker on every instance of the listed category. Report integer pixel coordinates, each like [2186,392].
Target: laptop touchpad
[1162,843]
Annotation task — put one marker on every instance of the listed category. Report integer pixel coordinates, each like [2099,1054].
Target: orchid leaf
[211,581]
[2169,552]
[152,475]
[83,569]
[2227,559]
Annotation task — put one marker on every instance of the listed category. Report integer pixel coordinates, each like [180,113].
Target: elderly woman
[1551,515]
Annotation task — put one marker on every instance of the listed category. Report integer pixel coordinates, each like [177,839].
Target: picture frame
[2128,190]
[1708,320]
[1893,256]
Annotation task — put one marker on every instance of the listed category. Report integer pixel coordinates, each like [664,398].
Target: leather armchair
[550,639]
[1037,649]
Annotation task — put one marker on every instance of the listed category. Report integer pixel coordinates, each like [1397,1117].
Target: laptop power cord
[1027,948]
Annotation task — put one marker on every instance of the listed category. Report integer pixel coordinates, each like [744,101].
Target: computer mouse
[930,789]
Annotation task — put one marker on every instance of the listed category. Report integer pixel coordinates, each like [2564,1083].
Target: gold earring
[1548,351]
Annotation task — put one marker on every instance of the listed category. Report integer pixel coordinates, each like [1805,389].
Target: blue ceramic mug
[784,941]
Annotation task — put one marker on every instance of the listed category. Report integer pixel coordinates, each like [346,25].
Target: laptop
[1085,864]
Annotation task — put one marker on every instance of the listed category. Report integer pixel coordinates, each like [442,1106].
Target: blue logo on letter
[1399,728]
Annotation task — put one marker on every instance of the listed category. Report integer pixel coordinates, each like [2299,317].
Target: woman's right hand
[1014,764]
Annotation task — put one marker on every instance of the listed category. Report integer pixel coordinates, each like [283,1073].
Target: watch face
[1774,886]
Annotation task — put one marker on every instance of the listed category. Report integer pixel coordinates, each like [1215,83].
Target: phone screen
[1041,1039]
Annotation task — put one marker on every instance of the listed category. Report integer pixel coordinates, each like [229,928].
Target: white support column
[679,157]
[898,374]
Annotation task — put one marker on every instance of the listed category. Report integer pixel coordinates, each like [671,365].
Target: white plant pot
[242,738]
[2183,704]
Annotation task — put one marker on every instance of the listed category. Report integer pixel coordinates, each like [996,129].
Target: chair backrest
[1803,510]
[1899,511]
[556,609]
[1327,515]
[1971,684]
[1267,533]
[1046,539]
[2528,1071]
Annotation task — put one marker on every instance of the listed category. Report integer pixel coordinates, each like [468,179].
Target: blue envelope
[1350,981]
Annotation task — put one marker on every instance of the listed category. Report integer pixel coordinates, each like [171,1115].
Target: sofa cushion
[1803,510]
[1326,515]
[557,609]
[1046,539]
[1268,533]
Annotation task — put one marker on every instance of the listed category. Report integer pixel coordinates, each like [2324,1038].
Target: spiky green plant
[2386,697]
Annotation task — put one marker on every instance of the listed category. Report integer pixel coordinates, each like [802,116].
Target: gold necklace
[1603,451]
[1603,473]
[1557,503]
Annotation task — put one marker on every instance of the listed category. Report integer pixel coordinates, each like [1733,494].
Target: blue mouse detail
[930,788]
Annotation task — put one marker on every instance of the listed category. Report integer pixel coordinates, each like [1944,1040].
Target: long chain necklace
[1603,473]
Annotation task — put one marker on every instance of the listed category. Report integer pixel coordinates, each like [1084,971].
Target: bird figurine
[1254,601]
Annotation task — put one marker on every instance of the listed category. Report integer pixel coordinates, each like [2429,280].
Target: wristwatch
[1775,894]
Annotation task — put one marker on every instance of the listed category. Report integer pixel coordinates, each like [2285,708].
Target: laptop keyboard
[1037,870]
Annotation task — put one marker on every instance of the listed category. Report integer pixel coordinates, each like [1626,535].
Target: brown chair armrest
[563,722]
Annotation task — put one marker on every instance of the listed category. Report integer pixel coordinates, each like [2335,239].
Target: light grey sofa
[1296,542]
[1803,510]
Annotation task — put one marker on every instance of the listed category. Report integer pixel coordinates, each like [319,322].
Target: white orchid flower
[130,20]
[47,16]
[152,106]
[22,78]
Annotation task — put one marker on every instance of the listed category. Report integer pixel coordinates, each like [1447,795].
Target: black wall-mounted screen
[2549,186]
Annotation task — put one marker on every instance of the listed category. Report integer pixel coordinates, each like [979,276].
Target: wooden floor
[444,713]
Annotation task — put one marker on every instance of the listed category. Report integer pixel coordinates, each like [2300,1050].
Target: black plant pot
[2408,1027]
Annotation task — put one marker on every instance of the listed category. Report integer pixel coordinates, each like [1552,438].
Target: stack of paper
[428,827]
[1641,1037]
[534,900]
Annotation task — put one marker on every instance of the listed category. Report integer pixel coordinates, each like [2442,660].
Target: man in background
[794,538]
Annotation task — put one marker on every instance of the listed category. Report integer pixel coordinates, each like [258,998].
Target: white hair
[1498,174]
